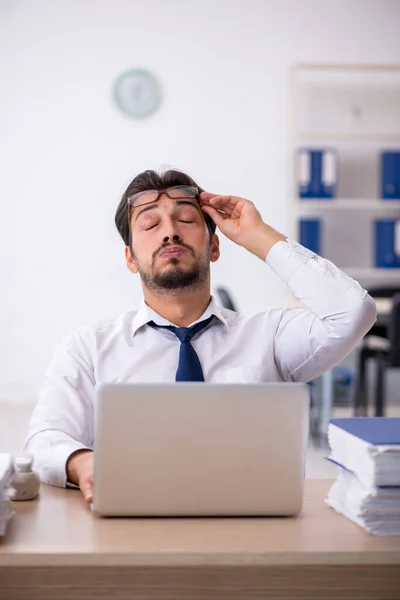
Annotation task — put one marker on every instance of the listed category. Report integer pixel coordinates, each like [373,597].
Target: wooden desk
[56,549]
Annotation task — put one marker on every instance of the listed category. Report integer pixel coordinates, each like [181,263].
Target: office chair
[226,298]
[382,344]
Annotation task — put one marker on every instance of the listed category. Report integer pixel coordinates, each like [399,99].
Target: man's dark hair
[151,180]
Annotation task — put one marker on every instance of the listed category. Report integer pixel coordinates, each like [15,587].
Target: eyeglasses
[175,193]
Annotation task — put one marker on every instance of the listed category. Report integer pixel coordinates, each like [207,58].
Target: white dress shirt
[275,345]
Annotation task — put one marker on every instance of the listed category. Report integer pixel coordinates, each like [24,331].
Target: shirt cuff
[55,472]
[285,258]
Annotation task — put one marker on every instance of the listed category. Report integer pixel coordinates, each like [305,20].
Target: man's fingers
[208,195]
[217,216]
[87,490]
[221,203]
[218,199]
[222,208]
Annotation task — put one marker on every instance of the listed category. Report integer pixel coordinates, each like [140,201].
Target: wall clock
[136,93]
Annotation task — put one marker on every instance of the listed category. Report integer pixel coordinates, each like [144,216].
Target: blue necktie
[189,367]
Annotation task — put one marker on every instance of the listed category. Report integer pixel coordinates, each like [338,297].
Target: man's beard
[176,277]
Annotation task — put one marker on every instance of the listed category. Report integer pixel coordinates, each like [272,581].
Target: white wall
[67,154]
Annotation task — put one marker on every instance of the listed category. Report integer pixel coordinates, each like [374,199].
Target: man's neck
[179,307]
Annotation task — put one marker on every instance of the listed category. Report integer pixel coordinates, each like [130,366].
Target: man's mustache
[178,243]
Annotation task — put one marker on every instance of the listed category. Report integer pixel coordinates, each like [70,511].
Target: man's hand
[80,471]
[241,222]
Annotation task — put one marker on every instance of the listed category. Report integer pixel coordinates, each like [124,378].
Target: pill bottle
[26,482]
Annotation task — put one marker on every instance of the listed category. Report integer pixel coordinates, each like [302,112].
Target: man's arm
[62,421]
[339,311]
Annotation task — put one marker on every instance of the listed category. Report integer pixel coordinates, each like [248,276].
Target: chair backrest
[384,292]
[394,332]
[225,298]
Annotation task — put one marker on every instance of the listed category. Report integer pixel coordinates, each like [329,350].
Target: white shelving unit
[378,276]
[349,204]
[355,109]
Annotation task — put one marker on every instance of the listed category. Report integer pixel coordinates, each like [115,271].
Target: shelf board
[348,136]
[346,67]
[348,204]
[373,274]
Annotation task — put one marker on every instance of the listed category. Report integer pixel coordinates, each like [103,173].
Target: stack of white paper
[6,476]
[367,490]
[377,509]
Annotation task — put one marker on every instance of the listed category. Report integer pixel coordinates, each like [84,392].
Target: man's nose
[171,238]
[170,233]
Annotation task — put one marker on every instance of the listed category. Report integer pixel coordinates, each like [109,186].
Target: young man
[180,333]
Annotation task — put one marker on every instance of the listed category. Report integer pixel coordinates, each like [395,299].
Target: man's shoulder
[230,316]
[104,329]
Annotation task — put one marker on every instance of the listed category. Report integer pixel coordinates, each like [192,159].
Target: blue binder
[374,430]
[317,173]
[390,175]
[387,244]
[310,234]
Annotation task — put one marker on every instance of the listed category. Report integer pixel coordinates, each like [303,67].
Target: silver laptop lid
[200,449]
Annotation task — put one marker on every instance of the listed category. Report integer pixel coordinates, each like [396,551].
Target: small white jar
[26,482]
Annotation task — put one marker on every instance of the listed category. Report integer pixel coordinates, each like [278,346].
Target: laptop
[200,449]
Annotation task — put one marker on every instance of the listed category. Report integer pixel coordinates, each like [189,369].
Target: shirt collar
[145,314]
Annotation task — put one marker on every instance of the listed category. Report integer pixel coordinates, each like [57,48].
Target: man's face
[171,246]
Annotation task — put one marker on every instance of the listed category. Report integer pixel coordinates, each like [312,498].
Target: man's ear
[130,261]
[215,253]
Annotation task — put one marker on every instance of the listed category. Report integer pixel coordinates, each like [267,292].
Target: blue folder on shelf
[390,175]
[387,243]
[310,234]
[317,172]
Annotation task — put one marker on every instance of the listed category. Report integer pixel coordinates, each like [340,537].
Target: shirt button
[287,255]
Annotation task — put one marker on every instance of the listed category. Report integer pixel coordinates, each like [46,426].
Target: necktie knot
[189,367]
